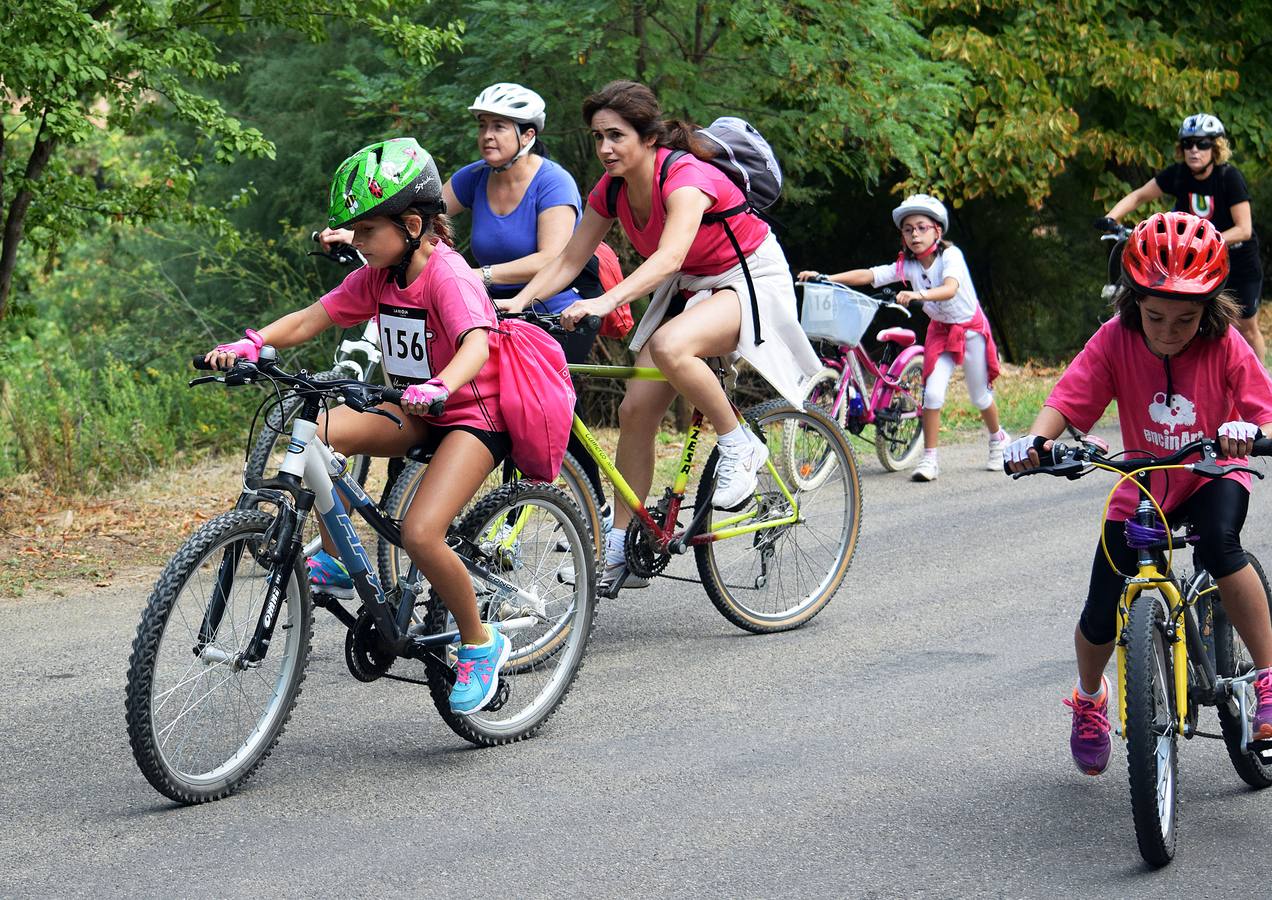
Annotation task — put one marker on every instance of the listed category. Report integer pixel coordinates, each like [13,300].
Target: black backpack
[748,160]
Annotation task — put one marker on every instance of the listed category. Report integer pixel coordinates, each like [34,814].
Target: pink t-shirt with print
[710,253]
[421,327]
[1214,380]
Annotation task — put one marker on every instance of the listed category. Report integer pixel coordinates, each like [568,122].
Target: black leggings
[1217,511]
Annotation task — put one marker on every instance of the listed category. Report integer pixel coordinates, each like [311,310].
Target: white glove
[1239,431]
[1018,450]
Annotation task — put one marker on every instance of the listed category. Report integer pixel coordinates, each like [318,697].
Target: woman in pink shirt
[435,323]
[700,307]
[1178,371]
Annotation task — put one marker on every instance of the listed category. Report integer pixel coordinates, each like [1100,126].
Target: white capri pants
[975,371]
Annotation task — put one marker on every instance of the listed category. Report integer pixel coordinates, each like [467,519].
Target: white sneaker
[995,461]
[736,473]
[927,470]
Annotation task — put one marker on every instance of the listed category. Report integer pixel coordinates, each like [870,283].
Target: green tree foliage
[72,72]
[1098,85]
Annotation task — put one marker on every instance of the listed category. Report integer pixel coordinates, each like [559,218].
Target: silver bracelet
[487,276]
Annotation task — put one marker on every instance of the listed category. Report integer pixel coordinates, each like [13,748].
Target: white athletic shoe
[736,473]
[926,470]
[616,578]
[995,461]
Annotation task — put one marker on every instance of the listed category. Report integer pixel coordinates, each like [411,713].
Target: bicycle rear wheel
[778,578]
[200,720]
[516,532]
[1232,658]
[393,561]
[899,426]
[1152,732]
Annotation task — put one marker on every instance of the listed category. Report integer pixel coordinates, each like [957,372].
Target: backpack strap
[611,197]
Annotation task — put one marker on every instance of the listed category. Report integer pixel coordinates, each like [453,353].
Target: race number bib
[404,337]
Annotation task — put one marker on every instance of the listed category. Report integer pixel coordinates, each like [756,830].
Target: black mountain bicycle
[220,651]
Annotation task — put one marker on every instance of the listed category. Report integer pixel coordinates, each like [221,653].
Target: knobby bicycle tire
[182,751]
[1152,736]
[898,441]
[544,663]
[815,552]
[1254,765]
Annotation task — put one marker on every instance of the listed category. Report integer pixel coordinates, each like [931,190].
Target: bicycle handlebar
[343,254]
[358,395]
[1072,462]
[551,322]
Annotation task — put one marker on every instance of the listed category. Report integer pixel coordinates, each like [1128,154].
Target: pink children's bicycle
[855,390]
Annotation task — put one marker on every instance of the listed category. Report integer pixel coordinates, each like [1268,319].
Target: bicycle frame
[1181,606]
[854,363]
[305,481]
[666,537]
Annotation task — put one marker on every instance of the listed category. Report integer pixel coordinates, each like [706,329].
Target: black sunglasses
[1199,143]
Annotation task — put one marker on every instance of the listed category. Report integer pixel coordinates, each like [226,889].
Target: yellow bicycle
[1176,649]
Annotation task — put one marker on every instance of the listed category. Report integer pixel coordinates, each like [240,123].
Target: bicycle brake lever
[1211,469]
[376,411]
[204,379]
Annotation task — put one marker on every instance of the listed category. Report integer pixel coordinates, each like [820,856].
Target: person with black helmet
[1178,372]
[435,321]
[1204,183]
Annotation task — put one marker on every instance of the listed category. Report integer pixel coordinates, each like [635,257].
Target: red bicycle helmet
[1177,256]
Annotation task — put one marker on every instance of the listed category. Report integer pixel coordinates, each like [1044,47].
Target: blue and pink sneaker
[1261,727]
[477,673]
[1089,741]
[328,575]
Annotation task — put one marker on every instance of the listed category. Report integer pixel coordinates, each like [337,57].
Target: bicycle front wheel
[517,532]
[899,426]
[1232,659]
[201,719]
[779,577]
[393,561]
[804,463]
[1152,730]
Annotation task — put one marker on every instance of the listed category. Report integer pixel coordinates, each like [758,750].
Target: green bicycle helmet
[385,179]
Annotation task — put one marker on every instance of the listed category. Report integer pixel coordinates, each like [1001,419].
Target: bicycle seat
[420,453]
[902,337]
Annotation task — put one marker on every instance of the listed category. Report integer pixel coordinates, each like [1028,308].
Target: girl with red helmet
[1178,371]
[1204,183]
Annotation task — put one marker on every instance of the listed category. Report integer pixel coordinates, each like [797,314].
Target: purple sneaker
[1089,740]
[1261,727]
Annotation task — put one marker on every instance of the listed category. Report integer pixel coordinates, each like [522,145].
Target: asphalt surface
[908,742]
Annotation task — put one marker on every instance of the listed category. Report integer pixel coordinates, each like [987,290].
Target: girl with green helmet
[435,323]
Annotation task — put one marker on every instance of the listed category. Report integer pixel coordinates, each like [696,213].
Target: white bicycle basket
[832,312]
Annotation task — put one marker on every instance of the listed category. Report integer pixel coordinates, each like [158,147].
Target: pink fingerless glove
[249,348]
[429,392]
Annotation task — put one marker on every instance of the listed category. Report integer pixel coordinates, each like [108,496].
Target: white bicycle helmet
[1201,125]
[924,204]
[512,101]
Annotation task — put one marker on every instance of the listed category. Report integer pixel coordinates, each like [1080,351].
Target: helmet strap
[520,154]
[398,269]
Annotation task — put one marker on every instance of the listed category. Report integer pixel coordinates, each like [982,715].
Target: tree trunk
[40,155]
[638,29]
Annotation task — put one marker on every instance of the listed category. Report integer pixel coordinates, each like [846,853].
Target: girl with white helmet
[1205,184]
[524,208]
[937,275]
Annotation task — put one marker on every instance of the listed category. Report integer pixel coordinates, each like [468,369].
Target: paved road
[910,742]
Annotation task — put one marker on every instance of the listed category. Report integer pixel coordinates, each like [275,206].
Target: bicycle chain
[643,560]
[366,659]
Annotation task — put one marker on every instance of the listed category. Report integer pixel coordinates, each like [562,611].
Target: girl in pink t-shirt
[435,324]
[701,306]
[1178,371]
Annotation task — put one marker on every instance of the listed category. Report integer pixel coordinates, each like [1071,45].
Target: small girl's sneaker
[328,575]
[1261,727]
[926,470]
[1089,740]
[996,447]
[477,673]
